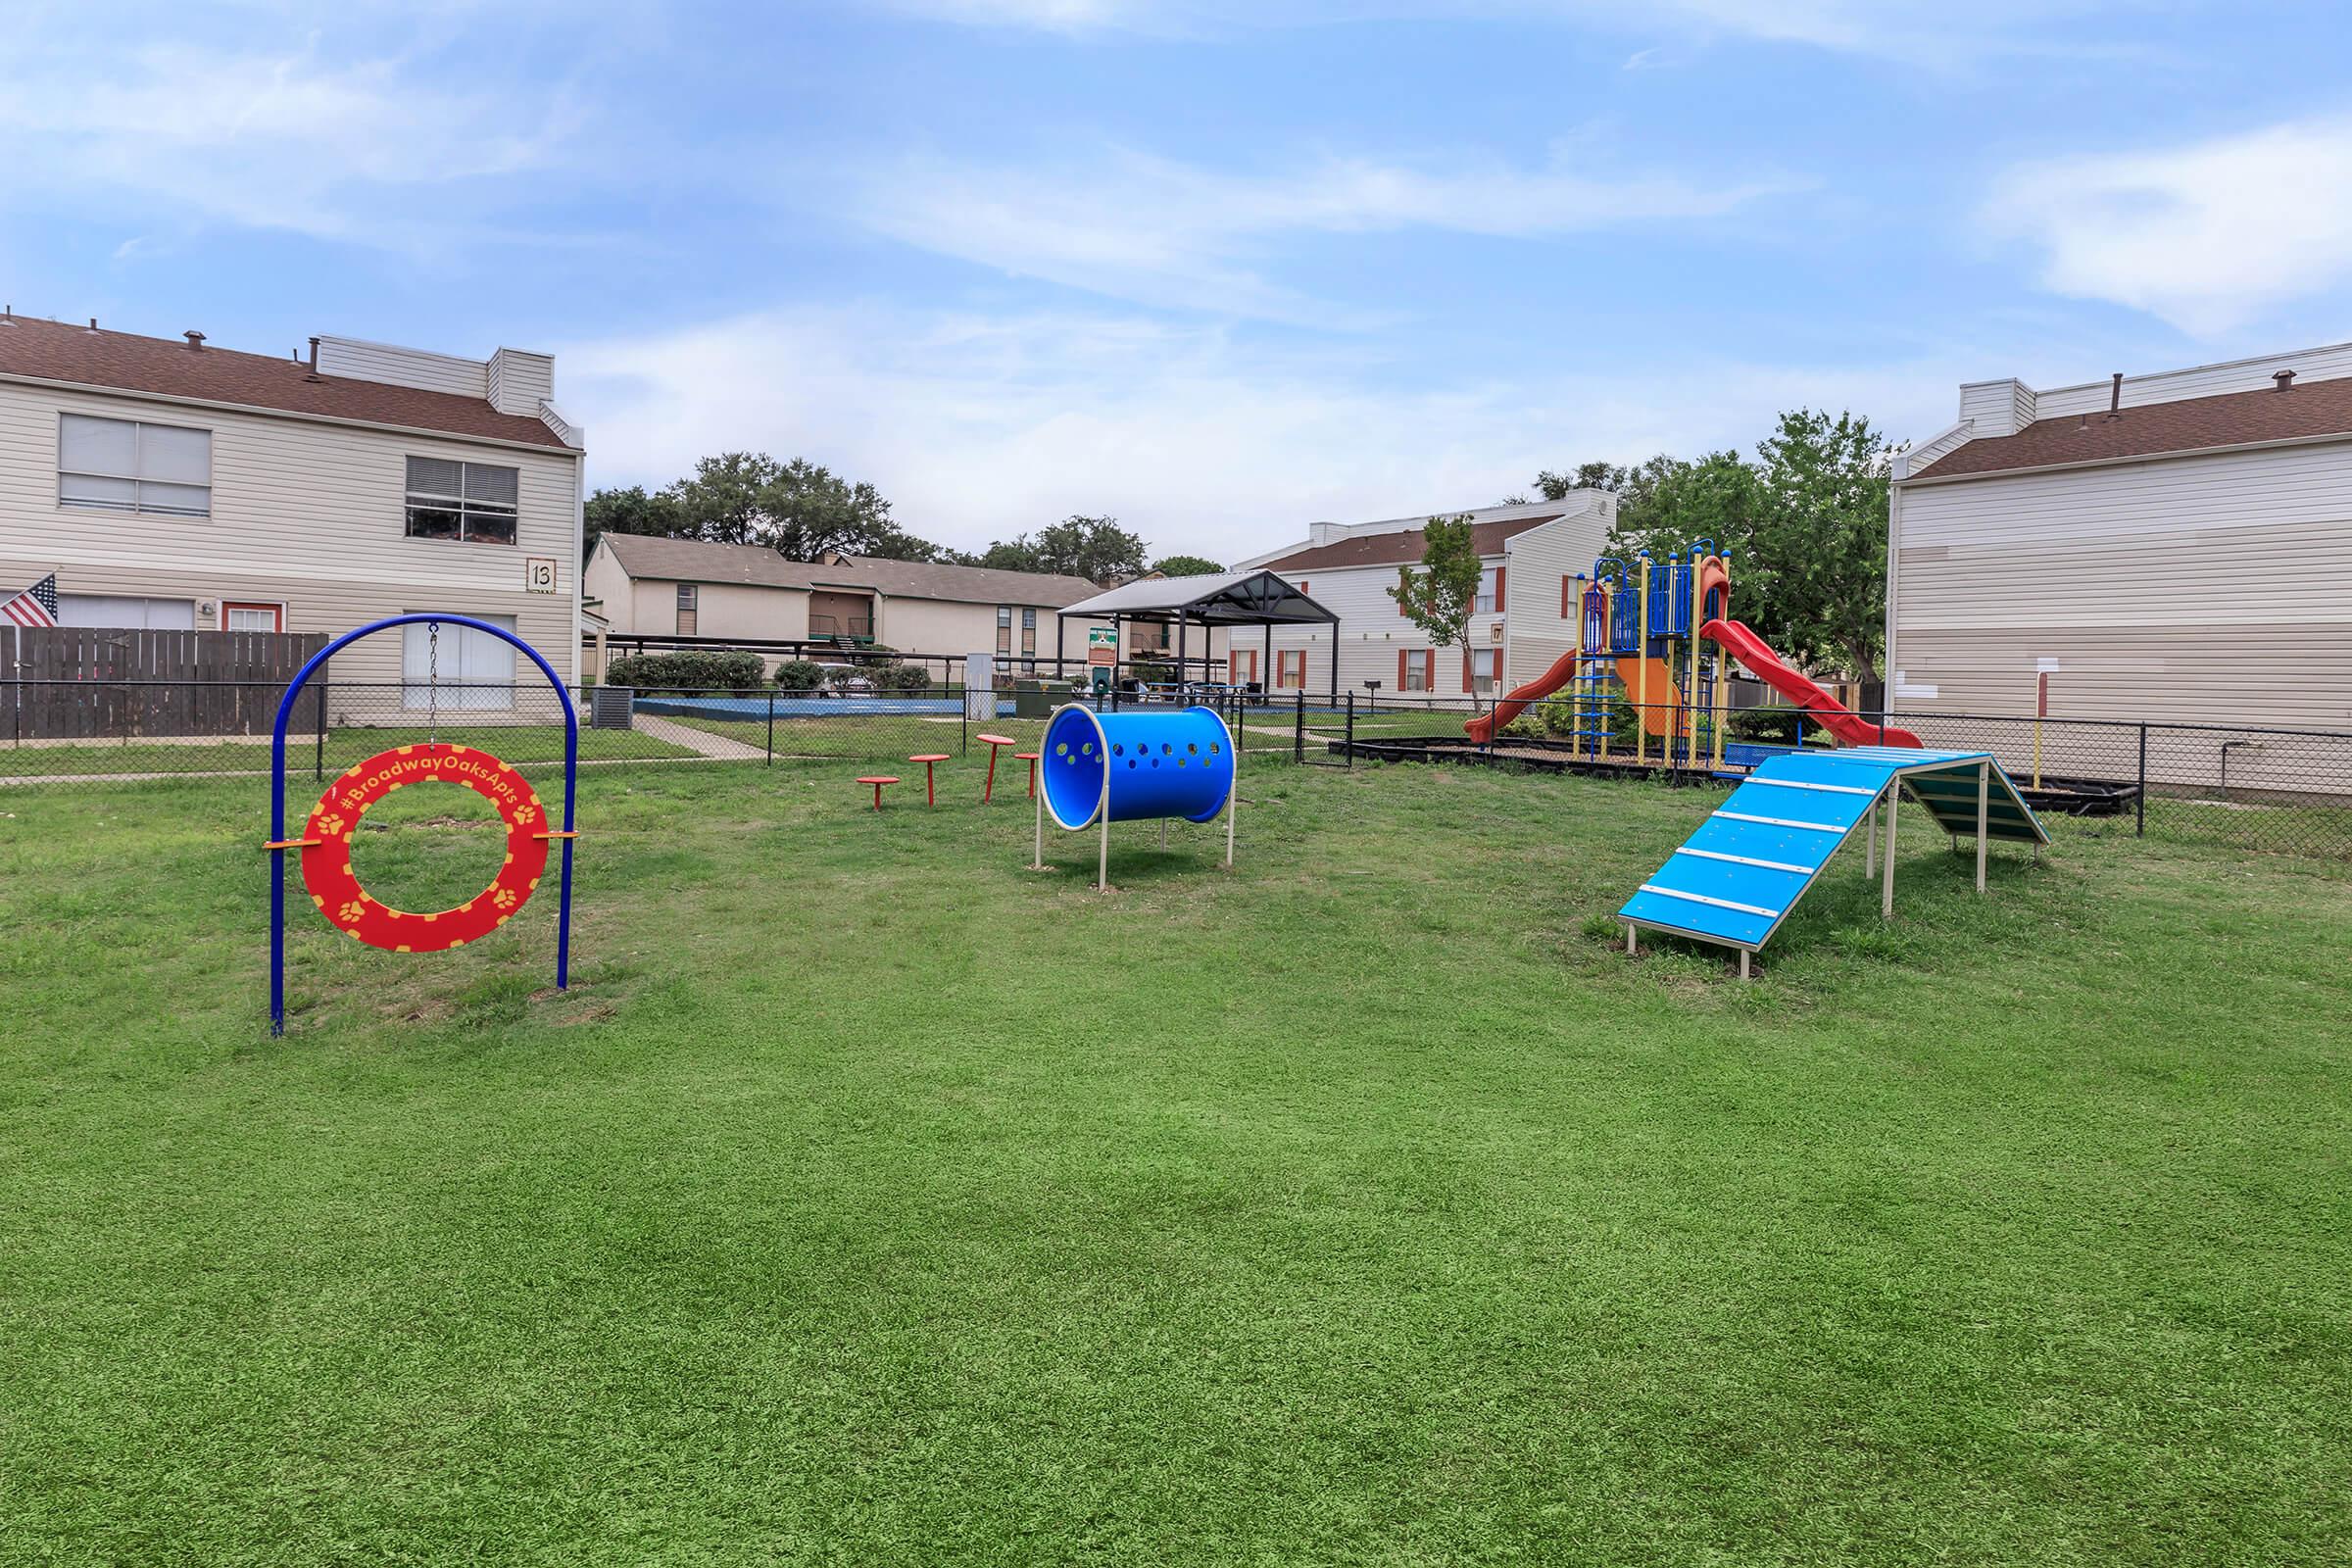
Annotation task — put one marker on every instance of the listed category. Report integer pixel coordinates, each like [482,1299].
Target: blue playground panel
[1737,877]
[756,707]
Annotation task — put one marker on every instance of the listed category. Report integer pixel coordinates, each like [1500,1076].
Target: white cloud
[1924,32]
[980,427]
[2206,235]
[284,140]
[1161,232]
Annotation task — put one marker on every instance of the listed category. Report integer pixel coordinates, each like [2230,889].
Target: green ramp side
[1735,879]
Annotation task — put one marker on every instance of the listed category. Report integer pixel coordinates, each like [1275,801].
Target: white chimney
[520,382]
[1998,408]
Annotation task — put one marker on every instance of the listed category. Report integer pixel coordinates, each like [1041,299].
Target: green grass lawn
[872,1199]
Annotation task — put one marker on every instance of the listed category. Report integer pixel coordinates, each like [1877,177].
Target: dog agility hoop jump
[326,841]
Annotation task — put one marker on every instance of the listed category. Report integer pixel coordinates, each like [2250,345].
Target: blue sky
[1217,267]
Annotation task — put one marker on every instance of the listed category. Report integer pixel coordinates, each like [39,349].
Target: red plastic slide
[1849,726]
[1481,728]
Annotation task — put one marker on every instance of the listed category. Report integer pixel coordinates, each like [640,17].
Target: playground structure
[1736,880]
[1101,769]
[324,846]
[1642,630]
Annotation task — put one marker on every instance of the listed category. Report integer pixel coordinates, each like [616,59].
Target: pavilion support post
[1984,814]
[1183,671]
[1061,647]
[1334,667]
[1265,676]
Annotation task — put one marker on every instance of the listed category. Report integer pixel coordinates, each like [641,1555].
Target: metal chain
[432,682]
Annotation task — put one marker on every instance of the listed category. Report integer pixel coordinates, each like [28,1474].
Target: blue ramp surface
[1737,877]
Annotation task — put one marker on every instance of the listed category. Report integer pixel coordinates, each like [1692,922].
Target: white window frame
[1485,602]
[277,605]
[1004,629]
[464,509]
[135,506]
[1491,677]
[1422,662]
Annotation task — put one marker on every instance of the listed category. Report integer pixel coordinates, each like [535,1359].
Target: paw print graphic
[526,815]
[504,898]
[351,910]
[331,825]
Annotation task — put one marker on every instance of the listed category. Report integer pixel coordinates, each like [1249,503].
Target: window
[123,465]
[468,501]
[689,604]
[1004,628]
[1489,592]
[116,614]
[252,616]
[1290,669]
[1028,631]
[1240,666]
[475,670]
[1486,667]
[1416,669]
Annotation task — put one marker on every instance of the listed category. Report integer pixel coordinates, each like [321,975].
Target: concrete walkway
[701,742]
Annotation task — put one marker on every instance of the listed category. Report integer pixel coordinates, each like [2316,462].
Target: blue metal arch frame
[277,793]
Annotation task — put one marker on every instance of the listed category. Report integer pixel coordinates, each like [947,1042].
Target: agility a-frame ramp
[1744,870]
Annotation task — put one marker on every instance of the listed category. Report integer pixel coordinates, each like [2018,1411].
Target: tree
[1096,549]
[629,510]
[1438,598]
[1186,566]
[799,509]
[1822,536]
[1804,529]
[1631,486]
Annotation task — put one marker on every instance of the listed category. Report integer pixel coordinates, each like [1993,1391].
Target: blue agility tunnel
[1099,768]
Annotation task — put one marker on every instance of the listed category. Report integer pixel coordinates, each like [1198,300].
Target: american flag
[36,606]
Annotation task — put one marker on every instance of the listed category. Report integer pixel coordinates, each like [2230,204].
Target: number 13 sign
[539,574]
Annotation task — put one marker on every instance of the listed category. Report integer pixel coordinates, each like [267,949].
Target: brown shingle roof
[1399,548]
[52,351]
[695,560]
[2227,419]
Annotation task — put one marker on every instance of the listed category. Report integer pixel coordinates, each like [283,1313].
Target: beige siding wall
[2202,590]
[1542,559]
[304,514]
[1371,633]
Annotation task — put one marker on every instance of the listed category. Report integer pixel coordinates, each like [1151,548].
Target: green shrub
[800,676]
[1151,673]
[698,671]
[899,678]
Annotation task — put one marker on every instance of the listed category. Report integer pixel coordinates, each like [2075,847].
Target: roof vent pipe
[2114,397]
[8,316]
[2285,378]
[314,371]
[195,341]
[93,327]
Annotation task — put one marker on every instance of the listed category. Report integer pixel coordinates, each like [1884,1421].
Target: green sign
[1102,636]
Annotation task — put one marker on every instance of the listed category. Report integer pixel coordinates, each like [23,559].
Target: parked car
[844,681]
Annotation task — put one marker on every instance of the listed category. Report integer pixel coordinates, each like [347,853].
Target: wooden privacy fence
[83,682]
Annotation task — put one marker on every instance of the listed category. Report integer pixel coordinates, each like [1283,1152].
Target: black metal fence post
[1299,729]
[319,745]
[1350,753]
[2139,803]
[771,726]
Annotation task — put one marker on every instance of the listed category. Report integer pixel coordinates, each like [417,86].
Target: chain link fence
[2273,790]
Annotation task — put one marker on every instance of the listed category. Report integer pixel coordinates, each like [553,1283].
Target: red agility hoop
[333,886]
